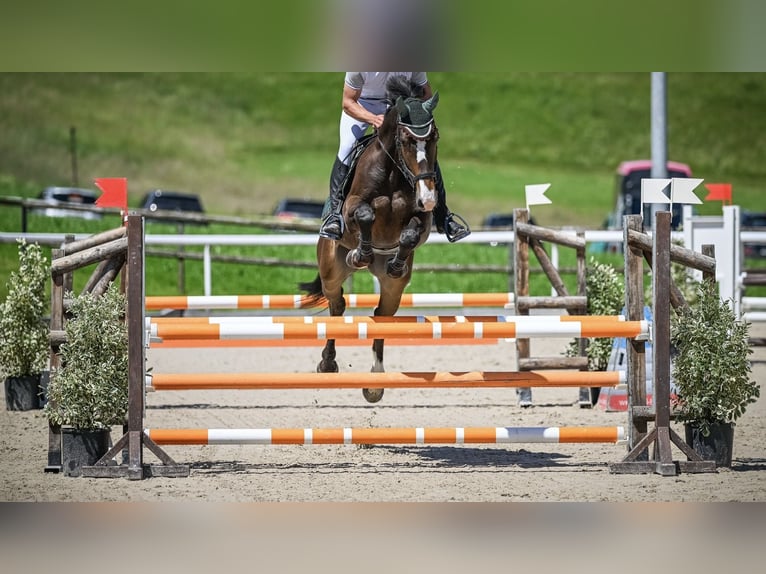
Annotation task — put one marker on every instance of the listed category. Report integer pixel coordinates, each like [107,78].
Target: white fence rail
[478,237]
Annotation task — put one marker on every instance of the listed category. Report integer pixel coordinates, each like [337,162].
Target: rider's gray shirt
[373,84]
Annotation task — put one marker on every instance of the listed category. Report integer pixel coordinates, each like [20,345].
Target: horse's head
[416,137]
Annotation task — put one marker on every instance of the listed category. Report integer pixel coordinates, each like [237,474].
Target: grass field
[243,141]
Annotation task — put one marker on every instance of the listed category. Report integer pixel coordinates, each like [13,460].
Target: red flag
[719,192]
[115,192]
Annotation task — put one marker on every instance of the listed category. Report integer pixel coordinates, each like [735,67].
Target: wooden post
[709,250]
[521,289]
[136,345]
[588,396]
[68,277]
[635,350]
[57,324]
[661,341]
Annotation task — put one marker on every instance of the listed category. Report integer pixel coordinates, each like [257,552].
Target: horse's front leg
[396,267]
[362,256]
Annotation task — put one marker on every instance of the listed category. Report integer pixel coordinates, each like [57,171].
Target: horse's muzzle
[426,196]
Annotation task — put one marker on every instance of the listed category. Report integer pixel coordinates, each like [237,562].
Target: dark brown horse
[387,214]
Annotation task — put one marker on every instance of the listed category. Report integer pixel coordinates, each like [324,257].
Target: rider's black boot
[332,226]
[451,224]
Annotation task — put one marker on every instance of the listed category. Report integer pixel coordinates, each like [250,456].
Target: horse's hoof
[396,271]
[327,367]
[354,261]
[372,395]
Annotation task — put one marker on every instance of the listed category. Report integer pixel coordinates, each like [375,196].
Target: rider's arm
[354,109]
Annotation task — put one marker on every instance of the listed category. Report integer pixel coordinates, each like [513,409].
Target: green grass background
[243,141]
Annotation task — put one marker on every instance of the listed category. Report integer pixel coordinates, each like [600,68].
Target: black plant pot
[82,447]
[23,393]
[717,446]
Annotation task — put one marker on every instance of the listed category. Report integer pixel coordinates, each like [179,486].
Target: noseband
[399,162]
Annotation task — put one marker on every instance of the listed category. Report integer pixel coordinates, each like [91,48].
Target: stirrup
[323,232]
[462,233]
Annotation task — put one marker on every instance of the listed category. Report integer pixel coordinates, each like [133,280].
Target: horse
[387,214]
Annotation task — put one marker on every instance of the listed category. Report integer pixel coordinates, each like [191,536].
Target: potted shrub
[24,339]
[89,393]
[712,372]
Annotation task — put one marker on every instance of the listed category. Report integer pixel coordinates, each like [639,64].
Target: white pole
[659,136]
[207,271]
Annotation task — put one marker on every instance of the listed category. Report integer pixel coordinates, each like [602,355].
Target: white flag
[651,190]
[536,194]
[681,190]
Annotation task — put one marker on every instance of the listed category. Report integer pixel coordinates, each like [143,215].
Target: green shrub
[711,368]
[24,342]
[90,391]
[606,296]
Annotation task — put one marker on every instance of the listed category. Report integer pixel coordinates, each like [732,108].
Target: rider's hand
[377,121]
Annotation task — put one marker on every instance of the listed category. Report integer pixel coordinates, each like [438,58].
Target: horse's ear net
[401,107]
[430,104]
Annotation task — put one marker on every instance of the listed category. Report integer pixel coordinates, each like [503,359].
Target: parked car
[160,199]
[291,209]
[74,195]
[501,220]
[751,221]
[628,190]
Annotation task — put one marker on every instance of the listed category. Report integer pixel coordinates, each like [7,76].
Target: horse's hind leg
[333,273]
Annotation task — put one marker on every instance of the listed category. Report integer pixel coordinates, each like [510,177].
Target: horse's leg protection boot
[332,226]
[454,226]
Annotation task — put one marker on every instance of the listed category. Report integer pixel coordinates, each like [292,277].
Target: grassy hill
[243,141]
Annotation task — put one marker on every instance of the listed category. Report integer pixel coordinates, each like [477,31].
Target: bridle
[399,162]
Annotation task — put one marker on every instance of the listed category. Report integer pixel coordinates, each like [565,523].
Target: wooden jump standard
[134,439]
[658,252]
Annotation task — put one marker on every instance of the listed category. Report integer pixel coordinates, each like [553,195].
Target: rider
[364,104]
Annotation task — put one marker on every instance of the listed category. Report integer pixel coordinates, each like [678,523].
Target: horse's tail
[313,289]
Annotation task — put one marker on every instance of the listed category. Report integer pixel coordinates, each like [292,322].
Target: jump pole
[577,326]
[355,319]
[419,435]
[470,379]
[363,300]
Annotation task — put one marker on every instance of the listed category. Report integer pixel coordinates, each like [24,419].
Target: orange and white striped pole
[419,435]
[512,327]
[363,300]
[414,380]
[355,319]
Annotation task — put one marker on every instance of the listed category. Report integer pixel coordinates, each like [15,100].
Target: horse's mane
[399,87]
